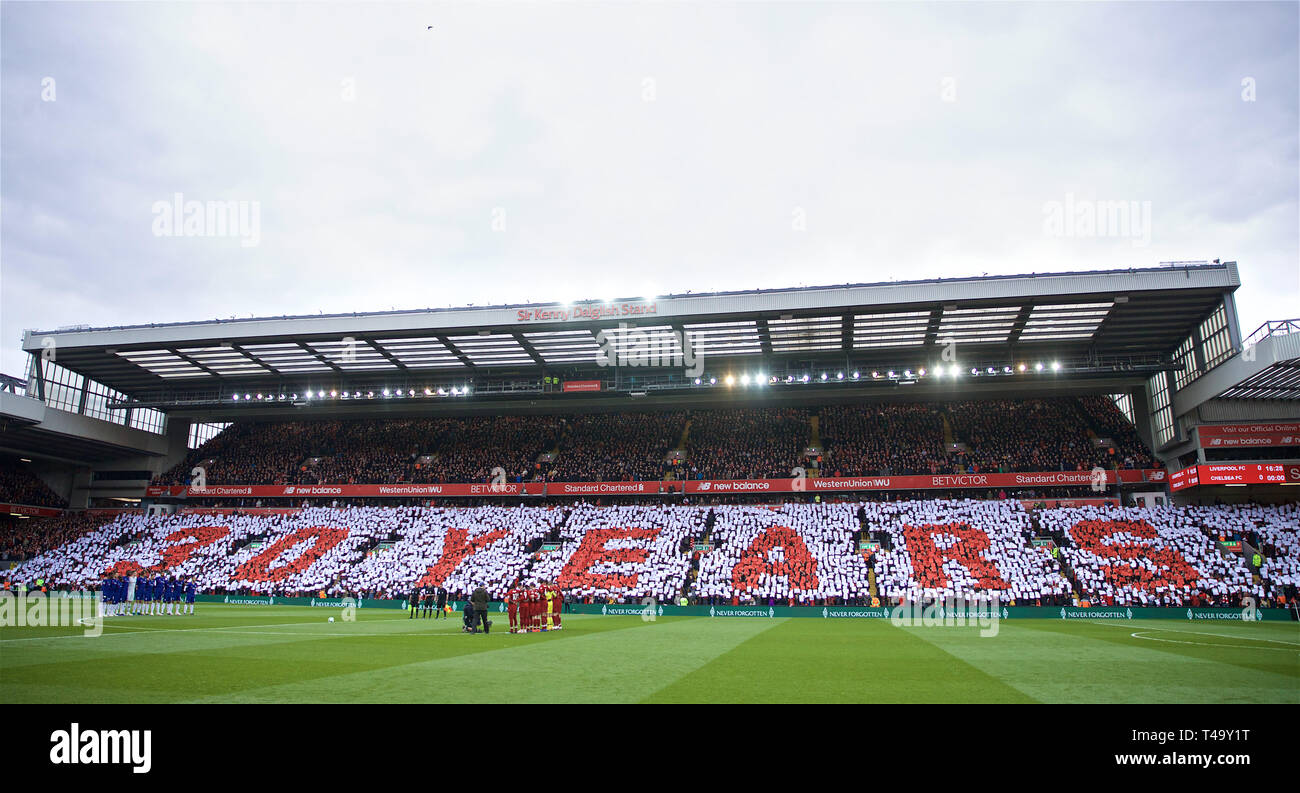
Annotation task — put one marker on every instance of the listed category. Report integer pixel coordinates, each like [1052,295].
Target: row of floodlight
[386,393]
[952,370]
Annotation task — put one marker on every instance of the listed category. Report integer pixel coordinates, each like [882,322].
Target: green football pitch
[293,654]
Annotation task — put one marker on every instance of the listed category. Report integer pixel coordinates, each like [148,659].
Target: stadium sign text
[790,485]
[579,313]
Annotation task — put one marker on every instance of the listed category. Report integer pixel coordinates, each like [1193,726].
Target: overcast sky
[536,152]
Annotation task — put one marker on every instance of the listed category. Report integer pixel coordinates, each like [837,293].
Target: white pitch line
[140,629]
[1127,624]
[336,635]
[1139,635]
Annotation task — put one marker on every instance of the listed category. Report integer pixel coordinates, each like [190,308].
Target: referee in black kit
[442,603]
[415,602]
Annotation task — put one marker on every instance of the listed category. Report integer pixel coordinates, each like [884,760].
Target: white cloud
[540,111]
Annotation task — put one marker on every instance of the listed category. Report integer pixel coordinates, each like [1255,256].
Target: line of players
[428,600]
[149,596]
[534,608]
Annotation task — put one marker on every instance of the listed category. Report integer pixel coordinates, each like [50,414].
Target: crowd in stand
[624,553]
[20,486]
[617,447]
[882,440]
[469,449]
[784,554]
[372,451]
[747,443]
[942,549]
[1271,530]
[1137,556]
[796,554]
[1103,413]
[24,538]
[742,443]
[457,549]
[1032,435]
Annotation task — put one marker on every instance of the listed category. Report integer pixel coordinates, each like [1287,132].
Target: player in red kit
[556,604]
[512,606]
[535,612]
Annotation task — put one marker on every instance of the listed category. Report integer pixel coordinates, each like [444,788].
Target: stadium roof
[1280,377]
[1101,313]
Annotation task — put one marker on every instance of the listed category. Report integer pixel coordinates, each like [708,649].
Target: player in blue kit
[190,591]
[118,589]
[107,591]
[141,594]
[159,592]
[174,596]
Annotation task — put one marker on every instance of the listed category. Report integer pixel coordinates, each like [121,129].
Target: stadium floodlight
[855,375]
[1006,370]
[428,392]
[235,397]
[455,391]
[1038,367]
[823,377]
[713,381]
[839,375]
[334,393]
[892,374]
[1021,368]
[247,397]
[697,381]
[731,380]
[991,370]
[385,392]
[294,397]
[875,375]
[370,395]
[804,379]
[907,373]
[974,371]
[922,373]
[744,379]
[442,391]
[789,378]
[1056,366]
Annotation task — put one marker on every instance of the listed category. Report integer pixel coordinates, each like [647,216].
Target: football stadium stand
[1107,437]
[789,554]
